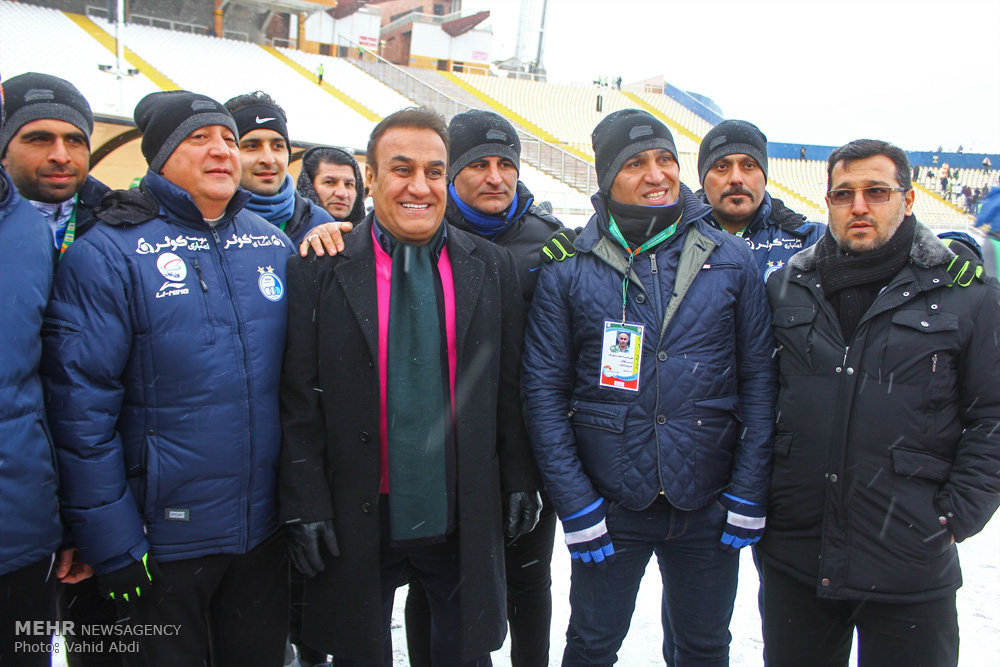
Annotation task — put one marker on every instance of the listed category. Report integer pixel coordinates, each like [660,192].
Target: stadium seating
[23,27]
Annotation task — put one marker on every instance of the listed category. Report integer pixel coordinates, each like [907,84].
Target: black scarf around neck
[640,223]
[852,282]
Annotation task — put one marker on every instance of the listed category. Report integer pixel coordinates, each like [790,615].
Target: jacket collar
[927,251]
[176,204]
[596,228]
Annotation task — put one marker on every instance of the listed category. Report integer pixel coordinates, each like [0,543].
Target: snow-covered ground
[978,611]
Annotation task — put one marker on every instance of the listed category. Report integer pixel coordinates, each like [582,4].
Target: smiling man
[413,480]
[487,198]
[162,352]
[870,494]
[45,148]
[264,155]
[666,450]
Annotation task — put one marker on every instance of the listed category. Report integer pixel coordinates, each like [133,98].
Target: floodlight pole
[541,36]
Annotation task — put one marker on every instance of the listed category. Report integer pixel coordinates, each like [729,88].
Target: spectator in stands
[870,493]
[181,291]
[264,152]
[670,453]
[45,147]
[986,163]
[28,495]
[732,167]
[486,198]
[319,75]
[331,178]
[422,478]
[989,223]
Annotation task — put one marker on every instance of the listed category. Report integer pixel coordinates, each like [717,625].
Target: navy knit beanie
[476,134]
[727,138]
[33,96]
[166,118]
[624,134]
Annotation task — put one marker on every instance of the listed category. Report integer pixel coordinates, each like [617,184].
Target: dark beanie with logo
[34,96]
[732,137]
[475,134]
[261,116]
[624,134]
[167,118]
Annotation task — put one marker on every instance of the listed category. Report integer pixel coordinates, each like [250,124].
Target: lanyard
[70,232]
[660,237]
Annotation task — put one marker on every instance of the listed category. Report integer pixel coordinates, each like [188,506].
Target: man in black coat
[886,448]
[414,480]
[486,198]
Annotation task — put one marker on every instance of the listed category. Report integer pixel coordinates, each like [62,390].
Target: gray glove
[303,545]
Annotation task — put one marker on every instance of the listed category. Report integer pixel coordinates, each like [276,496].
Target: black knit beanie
[624,134]
[261,117]
[476,134]
[33,96]
[167,118]
[727,138]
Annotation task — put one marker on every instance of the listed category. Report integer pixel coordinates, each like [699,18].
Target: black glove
[966,266]
[523,508]
[303,545]
[130,582]
[559,246]
[785,216]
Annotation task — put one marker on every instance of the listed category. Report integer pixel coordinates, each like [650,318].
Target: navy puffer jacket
[28,501]
[162,355]
[702,419]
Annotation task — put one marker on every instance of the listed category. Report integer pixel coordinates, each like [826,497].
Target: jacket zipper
[248,457]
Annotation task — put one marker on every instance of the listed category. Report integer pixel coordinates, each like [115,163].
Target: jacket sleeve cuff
[108,531]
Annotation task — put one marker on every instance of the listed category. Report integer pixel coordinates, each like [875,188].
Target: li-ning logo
[37,94]
[199,105]
[718,141]
[496,135]
[263,120]
[640,131]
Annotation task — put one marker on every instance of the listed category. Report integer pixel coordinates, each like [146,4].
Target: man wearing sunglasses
[885,451]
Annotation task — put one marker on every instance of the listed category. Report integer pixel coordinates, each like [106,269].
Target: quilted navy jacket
[162,355]
[28,501]
[702,419]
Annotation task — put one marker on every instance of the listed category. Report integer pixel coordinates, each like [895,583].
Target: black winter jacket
[879,436]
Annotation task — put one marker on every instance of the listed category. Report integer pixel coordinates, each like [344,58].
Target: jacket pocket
[914,463]
[793,326]
[919,351]
[604,416]
[782,444]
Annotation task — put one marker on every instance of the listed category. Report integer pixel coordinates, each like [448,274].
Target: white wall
[361,27]
[431,41]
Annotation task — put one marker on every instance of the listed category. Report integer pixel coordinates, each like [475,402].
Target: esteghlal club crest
[172,267]
[270,284]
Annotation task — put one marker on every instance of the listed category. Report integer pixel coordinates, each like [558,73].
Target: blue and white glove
[744,523]
[587,536]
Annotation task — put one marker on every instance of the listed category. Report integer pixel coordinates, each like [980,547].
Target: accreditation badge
[621,355]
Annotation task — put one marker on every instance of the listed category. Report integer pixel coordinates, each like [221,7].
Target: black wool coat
[330,419]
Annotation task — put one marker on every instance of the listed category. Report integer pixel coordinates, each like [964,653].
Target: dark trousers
[802,629]
[83,604]
[699,586]
[307,655]
[435,567]
[231,609]
[528,562]
[26,594]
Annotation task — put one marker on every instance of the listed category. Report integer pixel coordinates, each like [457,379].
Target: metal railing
[547,157]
